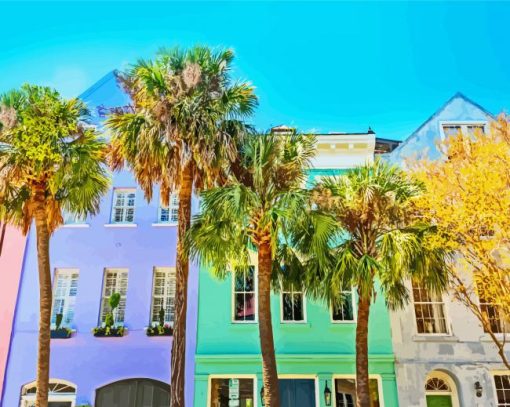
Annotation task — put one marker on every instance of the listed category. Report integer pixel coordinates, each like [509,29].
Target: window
[65,288]
[345,392]
[163,294]
[494,314]
[115,281]
[470,129]
[244,295]
[502,383]
[170,213]
[123,210]
[343,311]
[293,306]
[73,219]
[429,311]
[60,394]
[232,392]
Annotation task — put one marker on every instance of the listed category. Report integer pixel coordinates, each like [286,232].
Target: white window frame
[233,296]
[73,221]
[449,381]
[105,297]
[27,400]
[125,207]
[68,304]
[505,325]
[377,377]
[173,204]
[445,312]
[463,124]
[168,271]
[303,302]
[354,310]
[233,376]
[493,374]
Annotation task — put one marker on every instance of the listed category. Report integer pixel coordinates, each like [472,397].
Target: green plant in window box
[160,329]
[109,328]
[60,332]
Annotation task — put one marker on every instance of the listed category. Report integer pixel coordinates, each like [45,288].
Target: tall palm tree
[257,210]
[188,116]
[50,162]
[377,236]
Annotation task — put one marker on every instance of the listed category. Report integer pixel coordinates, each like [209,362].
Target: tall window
[343,310]
[429,311]
[232,392]
[170,213]
[244,295]
[502,390]
[123,210]
[494,315]
[293,306]
[453,129]
[65,288]
[163,294]
[115,281]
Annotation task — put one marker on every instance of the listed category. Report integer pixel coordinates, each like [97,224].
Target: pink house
[12,248]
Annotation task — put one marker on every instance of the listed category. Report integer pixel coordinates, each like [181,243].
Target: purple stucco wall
[84,360]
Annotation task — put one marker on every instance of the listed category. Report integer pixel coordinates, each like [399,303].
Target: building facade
[443,356]
[315,345]
[128,248]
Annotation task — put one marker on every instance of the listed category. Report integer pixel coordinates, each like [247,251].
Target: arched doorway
[440,390]
[61,394]
[134,393]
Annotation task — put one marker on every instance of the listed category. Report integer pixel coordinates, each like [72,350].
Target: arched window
[61,394]
[440,390]
[437,384]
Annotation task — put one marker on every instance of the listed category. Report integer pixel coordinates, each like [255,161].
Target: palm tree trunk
[362,378]
[45,300]
[269,371]
[181,291]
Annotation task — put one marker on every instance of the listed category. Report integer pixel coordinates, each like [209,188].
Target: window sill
[120,225]
[75,225]
[296,324]
[164,225]
[353,322]
[487,338]
[434,338]
[244,322]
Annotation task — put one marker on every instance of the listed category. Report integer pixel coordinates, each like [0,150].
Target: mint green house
[315,345]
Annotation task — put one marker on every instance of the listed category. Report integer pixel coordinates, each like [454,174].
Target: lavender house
[128,248]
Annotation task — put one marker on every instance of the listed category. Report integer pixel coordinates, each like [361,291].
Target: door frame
[233,376]
[129,379]
[353,376]
[313,377]
[453,393]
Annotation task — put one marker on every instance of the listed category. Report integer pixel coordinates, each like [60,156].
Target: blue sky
[324,66]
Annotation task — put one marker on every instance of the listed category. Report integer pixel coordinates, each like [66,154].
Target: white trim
[233,376]
[497,372]
[63,397]
[377,377]
[354,311]
[315,379]
[292,322]
[463,125]
[120,225]
[233,301]
[449,331]
[68,272]
[453,393]
[166,270]
[126,191]
[164,225]
[75,225]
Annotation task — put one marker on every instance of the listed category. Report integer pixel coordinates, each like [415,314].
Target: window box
[61,333]
[107,332]
[158,330]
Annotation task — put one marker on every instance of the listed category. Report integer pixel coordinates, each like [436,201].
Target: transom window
[65,288]
[429,311]
[163,294]
[470,129]
[244,295]
[293,307]
[226,392]
[343,310]
[170,213]
[115,281]
[60,394]
[436,384]
[502,383]
[123,210]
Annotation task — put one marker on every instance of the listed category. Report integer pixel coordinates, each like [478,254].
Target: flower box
[60,333]
[109,332]
[158,330]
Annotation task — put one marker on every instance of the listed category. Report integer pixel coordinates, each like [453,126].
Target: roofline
[98,84]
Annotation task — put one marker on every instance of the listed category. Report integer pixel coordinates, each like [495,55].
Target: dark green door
[297,392]
[134,393]
[439,401]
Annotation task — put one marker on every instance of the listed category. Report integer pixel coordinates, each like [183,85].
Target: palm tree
[188,116]
[377,237]
[258,210]
[50,162]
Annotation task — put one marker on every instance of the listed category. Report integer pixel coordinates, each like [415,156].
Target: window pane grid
[429,311]
[163,294]
[244,295]
[502,390]
[170,214]
[344,310]
[65,288]
[115,281]
[123,210]
[293,306]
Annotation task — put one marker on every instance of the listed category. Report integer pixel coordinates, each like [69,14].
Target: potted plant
[109,328]
[60,332]
[160,329]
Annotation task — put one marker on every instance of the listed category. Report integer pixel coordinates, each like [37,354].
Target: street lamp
[478,389]
[262,396]
[327,395]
